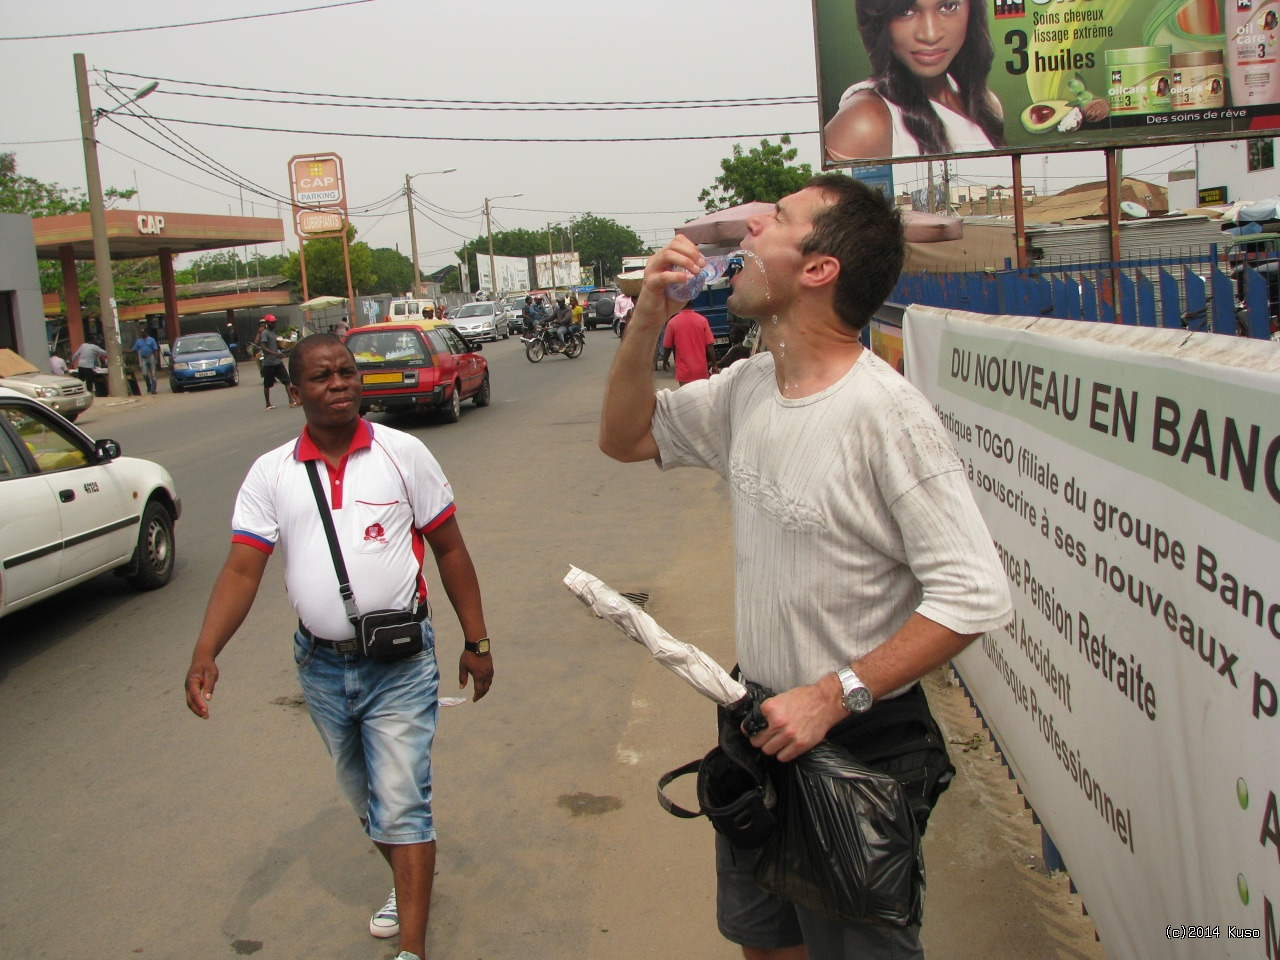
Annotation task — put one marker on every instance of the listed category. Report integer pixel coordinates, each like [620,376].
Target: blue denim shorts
[377,721]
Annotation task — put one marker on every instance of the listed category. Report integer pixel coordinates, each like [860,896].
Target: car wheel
[72,415]
[235,378]
[452,410]
[483,395]
[155,550]
[174,387]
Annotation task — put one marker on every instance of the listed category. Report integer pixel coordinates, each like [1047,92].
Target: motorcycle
[543,341]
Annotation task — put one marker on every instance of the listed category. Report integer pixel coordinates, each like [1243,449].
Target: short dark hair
[863,230]
[316,340]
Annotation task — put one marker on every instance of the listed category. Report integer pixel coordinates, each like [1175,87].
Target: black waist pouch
[389,634]
[852,811]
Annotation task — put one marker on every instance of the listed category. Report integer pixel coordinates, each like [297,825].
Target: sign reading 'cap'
[317,179]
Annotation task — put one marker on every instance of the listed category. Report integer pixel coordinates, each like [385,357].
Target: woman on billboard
[927,93]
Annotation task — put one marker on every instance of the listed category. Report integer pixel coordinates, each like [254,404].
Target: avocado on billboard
[915,79]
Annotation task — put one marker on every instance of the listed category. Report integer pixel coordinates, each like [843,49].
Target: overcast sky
[449,50]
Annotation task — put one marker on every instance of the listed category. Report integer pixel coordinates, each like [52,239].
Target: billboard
[513,274]
[558,270]
[912,79]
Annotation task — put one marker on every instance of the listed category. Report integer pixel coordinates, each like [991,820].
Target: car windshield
[199,344]
[386,346]
[474,310]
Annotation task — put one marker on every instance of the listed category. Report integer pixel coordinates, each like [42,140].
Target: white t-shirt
[850,512]
[387,493]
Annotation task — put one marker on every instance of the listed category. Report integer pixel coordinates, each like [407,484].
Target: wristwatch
[857,695]
[480,646]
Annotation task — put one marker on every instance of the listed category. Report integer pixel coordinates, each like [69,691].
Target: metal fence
[1224,289]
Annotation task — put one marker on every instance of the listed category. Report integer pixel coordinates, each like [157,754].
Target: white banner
[513,274]
[1130,479]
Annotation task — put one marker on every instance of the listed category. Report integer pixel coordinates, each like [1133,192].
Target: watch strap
[480,646]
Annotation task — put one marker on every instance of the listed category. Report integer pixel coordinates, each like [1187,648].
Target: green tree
[325,273]
[393,271]
[19,194]
[766,173]
[227,265]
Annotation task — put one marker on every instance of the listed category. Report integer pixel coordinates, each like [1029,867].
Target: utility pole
[488,229]
[413,238]
[101,247]
[413,232]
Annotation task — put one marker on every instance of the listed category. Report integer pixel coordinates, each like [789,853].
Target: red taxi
[418,366]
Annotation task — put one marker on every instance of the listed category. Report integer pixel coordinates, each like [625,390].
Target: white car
[72,508]
[68,395]
[483,320]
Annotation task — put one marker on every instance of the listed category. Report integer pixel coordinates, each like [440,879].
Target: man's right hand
[202,677]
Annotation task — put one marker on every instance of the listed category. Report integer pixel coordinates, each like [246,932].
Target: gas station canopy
[133,234]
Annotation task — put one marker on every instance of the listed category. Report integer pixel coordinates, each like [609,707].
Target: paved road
[133,829]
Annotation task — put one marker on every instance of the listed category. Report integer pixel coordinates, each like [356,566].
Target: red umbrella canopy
[729,226]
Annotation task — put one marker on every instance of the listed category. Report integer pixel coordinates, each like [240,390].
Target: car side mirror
[106,450]
[475,346]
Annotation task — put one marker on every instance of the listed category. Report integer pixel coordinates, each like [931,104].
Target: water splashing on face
[754,260]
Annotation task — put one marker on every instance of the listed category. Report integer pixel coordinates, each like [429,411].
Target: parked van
[402,311]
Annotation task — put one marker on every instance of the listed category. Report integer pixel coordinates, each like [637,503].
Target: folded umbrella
[699,670]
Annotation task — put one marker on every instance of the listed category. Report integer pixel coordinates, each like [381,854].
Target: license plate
[81,401]
[384,378]
[207,373]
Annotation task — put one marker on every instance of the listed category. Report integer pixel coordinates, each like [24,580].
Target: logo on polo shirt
[374,532]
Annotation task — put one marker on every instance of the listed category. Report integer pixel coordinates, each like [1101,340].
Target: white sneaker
[406,955]
[386,922]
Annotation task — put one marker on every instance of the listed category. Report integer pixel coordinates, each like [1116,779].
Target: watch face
[858,700]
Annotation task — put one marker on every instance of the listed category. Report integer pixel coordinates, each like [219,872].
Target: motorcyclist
[563,321]
[528,315]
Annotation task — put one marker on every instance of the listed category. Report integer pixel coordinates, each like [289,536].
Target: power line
[744,101]
[193,23]
[476,107]
[417,137]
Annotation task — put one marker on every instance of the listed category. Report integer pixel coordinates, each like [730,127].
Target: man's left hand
[800,718]
[479,667]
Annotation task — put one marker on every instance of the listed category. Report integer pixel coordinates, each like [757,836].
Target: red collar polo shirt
[385,494]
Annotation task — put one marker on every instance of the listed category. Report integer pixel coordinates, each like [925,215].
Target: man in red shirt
[689,334]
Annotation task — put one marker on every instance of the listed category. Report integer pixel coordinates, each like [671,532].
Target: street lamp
[98,222]
[413,233]
[488,228]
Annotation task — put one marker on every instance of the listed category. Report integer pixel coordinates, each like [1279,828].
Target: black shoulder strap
[693,766]
[339,566]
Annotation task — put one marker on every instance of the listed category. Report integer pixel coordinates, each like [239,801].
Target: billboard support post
[1019,219]
[1113,223]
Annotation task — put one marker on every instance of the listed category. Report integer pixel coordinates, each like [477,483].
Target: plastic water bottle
[716,267]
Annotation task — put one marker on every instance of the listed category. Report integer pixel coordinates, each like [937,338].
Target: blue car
[199,359]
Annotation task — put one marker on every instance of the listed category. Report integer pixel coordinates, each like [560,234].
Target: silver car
[483,320]
[68,395]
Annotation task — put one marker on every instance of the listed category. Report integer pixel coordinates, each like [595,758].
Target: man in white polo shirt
[389,500]
[862,562]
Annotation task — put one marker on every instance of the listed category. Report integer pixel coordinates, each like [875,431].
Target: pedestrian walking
[273,366]
[148,353]
[384,498]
